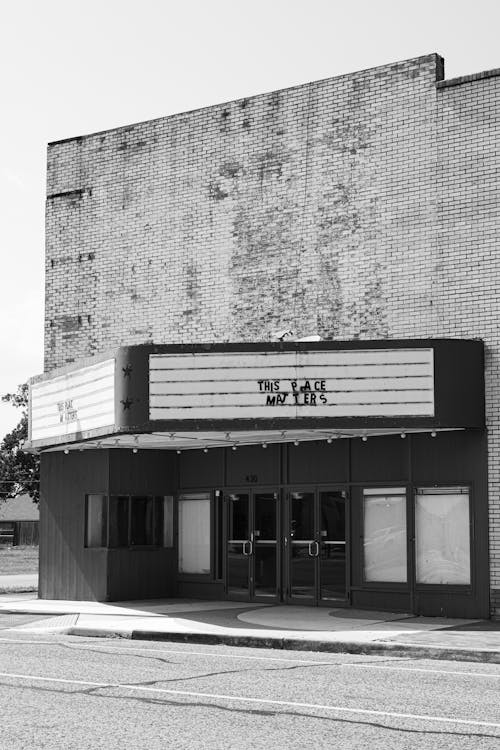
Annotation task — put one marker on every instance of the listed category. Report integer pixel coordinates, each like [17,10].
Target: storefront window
[96,521]
[384,525]
[141,521]
[442,535]
[118,520]
[134,521]
[164,515]
[194,533]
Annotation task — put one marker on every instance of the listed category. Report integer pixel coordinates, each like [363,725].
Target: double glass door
[286,546]
[252,560]
[316,546]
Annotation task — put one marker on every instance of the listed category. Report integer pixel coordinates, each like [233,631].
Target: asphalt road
[68,692]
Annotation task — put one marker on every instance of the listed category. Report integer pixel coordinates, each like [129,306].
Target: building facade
[361,209]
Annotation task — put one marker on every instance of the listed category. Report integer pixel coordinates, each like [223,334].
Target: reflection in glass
[302,572]
[118,520]
[265,559]
[238,515]
[237,567]
[384,521]
[265,516]
[265,570]
[332,559]
[141,521]
[164,521]
[442,543]
[302,515]
[302,562]
[96,530]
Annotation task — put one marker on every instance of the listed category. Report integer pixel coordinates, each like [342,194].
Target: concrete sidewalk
[254,625]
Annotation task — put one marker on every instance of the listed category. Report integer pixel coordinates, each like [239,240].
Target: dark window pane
[302,521]
[219,530]
[96,521]
[159,530]
[118,521]
[238,516]
[141,521]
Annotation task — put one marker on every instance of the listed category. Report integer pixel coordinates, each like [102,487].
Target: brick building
[362,209]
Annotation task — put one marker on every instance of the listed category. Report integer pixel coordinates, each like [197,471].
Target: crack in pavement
[94,692]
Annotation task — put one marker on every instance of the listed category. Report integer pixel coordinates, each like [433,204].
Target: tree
[19,471]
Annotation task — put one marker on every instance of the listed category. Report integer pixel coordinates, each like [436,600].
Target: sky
[69,67]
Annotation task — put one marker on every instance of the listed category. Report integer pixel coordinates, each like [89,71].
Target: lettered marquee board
[292,384]
[204,388]
[76,402]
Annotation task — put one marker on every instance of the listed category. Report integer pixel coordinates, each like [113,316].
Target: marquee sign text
[255,385]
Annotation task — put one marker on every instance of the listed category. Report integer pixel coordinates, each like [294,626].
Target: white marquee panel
[78,401]
[321,383]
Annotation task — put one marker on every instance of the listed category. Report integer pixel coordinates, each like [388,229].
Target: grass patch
[18,560]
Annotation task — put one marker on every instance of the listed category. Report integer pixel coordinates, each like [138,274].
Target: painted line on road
[259,701]
[306,662]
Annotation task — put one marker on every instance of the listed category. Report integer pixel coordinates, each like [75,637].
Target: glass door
[238,544]
[332,544]
[303,547]
[252,563]
[316,544]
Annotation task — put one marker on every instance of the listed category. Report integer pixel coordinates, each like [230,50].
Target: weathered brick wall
[364,206]
[299,209]
[466,269]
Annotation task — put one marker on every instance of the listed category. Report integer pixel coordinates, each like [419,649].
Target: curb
[400,650]
[19,590]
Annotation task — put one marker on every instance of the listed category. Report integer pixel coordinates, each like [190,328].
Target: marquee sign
[292,384]
[76,402]
[172,390]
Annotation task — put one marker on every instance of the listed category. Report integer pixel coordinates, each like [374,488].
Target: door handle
[247,551]
[316,549]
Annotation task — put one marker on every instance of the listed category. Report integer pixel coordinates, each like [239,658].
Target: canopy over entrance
[180,397]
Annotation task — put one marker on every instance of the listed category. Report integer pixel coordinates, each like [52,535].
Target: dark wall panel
[141,574]
[447,604]
[381,459]
[253,464]
[450,456]
[67,569]
[318,462]
[199,469]
[148,472]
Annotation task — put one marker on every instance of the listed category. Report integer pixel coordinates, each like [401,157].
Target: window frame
[379,490]
[157,500]
[195,576]
[463,588]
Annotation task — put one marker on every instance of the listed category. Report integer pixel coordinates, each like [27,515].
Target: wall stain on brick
[216,193]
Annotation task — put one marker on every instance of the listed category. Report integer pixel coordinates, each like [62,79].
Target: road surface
[69,692]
